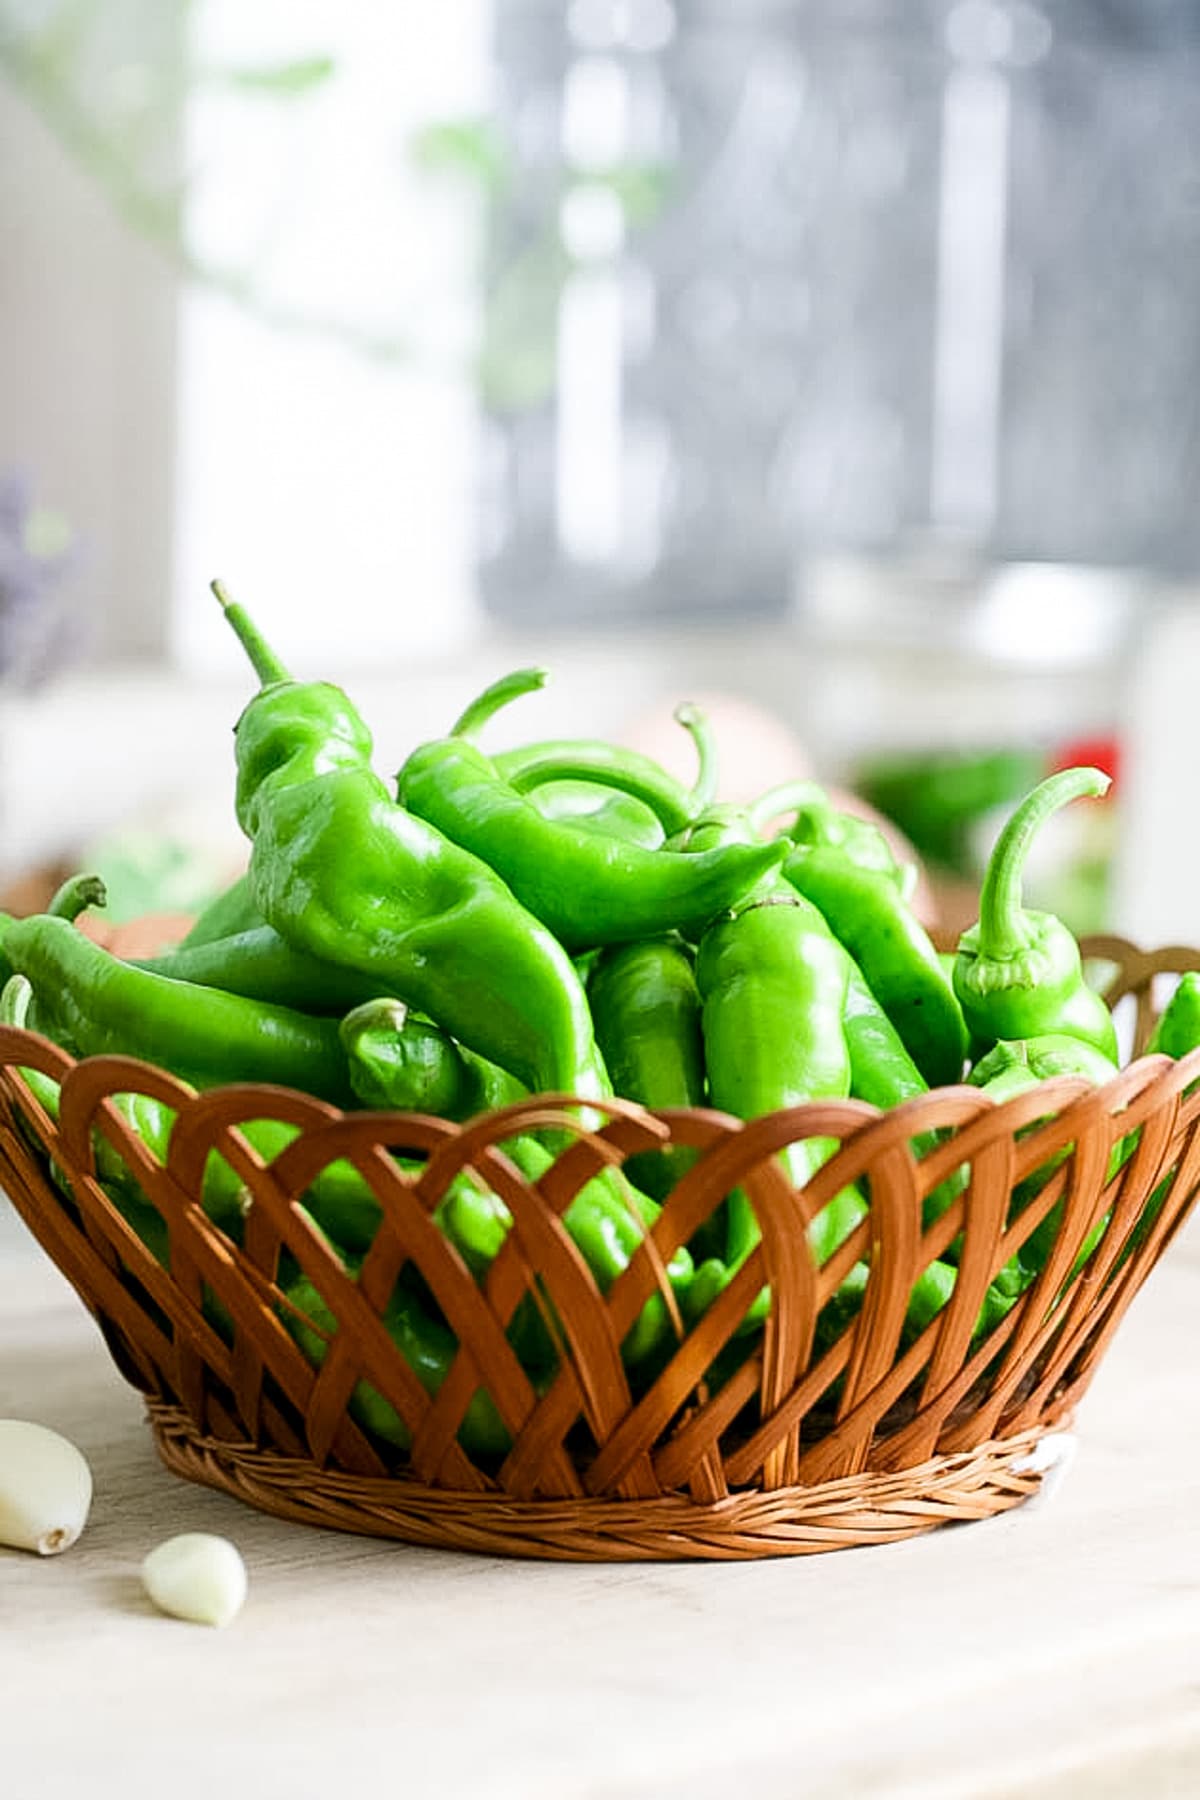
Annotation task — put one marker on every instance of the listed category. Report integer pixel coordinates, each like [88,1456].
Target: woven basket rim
[248,1413]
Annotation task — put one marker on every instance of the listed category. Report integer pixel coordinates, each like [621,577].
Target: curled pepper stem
[15,997]
[1004,927]
[695,722]
[76,895]
[484,707]
[788,797]
[263,660]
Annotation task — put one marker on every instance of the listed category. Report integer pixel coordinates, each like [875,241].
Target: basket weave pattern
[867,1438]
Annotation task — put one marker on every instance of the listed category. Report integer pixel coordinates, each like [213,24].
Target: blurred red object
[1090,752]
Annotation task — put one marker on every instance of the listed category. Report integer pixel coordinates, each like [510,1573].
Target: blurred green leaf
[643,189]
[470,147]
[517,365]
[279,80]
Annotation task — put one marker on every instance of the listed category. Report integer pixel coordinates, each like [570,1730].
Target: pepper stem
[75,896]
[1004,927]
[509,687]
[788,797]
[695,722]
[263,660]
[15,997]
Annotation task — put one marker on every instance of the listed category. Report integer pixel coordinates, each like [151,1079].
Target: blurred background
[836,364]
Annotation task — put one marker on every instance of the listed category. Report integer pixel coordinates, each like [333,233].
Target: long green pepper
[1018,973]
[587,888]
[348,876]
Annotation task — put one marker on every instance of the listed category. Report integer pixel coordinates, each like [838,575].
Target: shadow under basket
[850,1415]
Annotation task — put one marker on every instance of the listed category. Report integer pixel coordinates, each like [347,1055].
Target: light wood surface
[1052,1651]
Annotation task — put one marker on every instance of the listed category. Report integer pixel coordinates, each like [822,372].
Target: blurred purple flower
[36,552]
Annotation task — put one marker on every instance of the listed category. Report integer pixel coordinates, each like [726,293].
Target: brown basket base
[791,1521]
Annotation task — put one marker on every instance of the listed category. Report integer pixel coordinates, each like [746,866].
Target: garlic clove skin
[196,1576]
[45,1488]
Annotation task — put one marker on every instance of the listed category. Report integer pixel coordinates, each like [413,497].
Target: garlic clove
[196,1576]
[45,1488]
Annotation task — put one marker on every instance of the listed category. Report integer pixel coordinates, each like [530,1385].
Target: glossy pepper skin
[1012,1068]
[606,1220]
[1018,973]
[97,1005]
[818,825]
[773,986]
[261,965]
[623,773]
[1178,1029]
[867,915]
[593,808]
[346,875]
[646,1010]
[885,1075]
[587,889]
[400,1062]
[228,915]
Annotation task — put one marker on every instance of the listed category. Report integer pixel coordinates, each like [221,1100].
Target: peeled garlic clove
[45,1488]
[196,1576]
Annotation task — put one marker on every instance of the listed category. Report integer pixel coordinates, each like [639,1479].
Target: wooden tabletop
[1055,1651]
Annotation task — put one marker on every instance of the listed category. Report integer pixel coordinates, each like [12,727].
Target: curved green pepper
[866,913]
[587,889]
[343,873]
[819,825]
[261,965]
[646,1011]
[773,986]
[99,1005]
[591,763]
[599,809]
[1018,973]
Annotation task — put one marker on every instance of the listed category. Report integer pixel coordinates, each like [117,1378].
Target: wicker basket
[869,1439]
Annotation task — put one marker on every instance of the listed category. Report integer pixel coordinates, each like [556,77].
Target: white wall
[87,336]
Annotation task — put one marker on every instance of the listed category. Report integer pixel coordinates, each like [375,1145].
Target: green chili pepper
[646,1011]
[818,825]
[598,809]
[101,1005]
[1042,1058]
[722,823]
[773,986]
[885,1075]
[587,889]
[1011,1068]
[594,763]
[406,1064]
[881,1070]
[1178,1030]
[1018,973]
[230,914]
[607,1230]
[261,965]
[427,1345]
[899,963]
[343,873]
[402,1062]
[607,1220]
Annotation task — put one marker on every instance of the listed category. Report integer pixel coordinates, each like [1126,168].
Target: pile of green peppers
[563,918]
